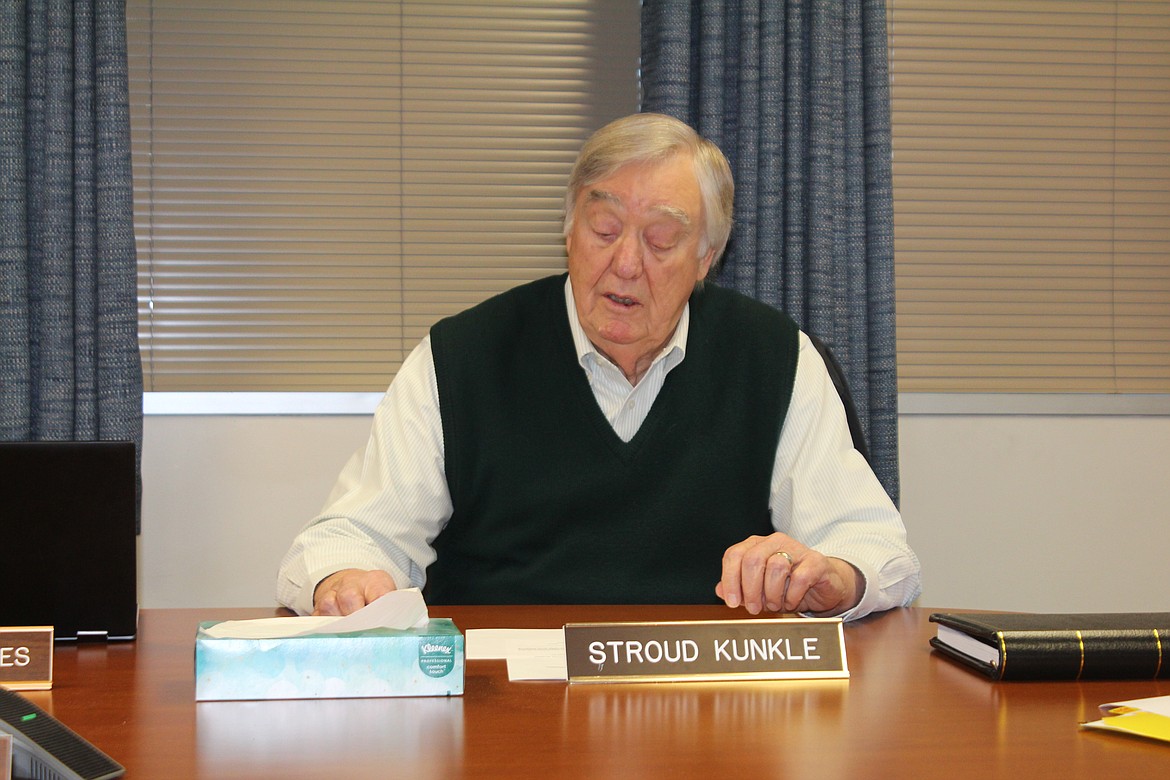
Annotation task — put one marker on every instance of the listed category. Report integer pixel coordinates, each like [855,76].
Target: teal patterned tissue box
[426,661]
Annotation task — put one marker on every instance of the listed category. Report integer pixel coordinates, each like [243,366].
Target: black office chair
[837,374]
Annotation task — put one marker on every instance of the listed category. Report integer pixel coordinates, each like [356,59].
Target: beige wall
[1006,512]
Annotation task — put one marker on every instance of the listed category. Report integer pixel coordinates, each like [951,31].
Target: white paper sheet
[531,653]
[1148,718]
[1159,705]
[550,667]
[399,609]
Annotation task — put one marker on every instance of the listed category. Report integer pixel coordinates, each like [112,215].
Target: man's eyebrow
[604,195]
[674,212]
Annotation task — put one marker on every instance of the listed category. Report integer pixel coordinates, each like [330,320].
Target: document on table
[531,653]
[400,609]
[1140,717]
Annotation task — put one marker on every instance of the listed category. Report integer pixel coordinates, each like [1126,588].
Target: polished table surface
[904,712]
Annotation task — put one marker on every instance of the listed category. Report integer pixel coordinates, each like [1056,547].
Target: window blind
[1032,194]
[317,182]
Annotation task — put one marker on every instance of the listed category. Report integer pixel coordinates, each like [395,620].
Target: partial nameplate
[774,649]
[26,658]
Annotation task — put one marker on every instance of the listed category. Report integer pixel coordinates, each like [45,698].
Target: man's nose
[627,257]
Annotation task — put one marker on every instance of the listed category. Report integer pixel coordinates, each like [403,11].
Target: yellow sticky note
[1137,723]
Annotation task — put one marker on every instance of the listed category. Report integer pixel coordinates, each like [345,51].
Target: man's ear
[705,265]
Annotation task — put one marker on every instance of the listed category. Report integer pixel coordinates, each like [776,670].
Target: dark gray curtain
[796,94]
[69,361]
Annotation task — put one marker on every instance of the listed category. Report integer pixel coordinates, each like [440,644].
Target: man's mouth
[620,299]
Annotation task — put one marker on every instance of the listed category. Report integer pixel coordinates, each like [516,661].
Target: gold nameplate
[26,658]
[774,649]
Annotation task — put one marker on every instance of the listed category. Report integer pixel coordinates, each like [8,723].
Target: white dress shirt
[391,499]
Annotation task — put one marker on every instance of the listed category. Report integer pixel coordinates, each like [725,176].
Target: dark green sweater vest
[550,506]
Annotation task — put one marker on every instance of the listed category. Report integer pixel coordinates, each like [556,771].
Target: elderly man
[622,434]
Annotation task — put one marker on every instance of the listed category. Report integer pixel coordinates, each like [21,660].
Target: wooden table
[904,713]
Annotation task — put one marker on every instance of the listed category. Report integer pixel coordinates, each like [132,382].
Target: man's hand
[780,574]
[349,590]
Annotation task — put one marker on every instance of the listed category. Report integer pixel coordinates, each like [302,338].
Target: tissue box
[426,661]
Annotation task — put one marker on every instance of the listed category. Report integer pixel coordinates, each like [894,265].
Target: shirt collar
[587,355]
